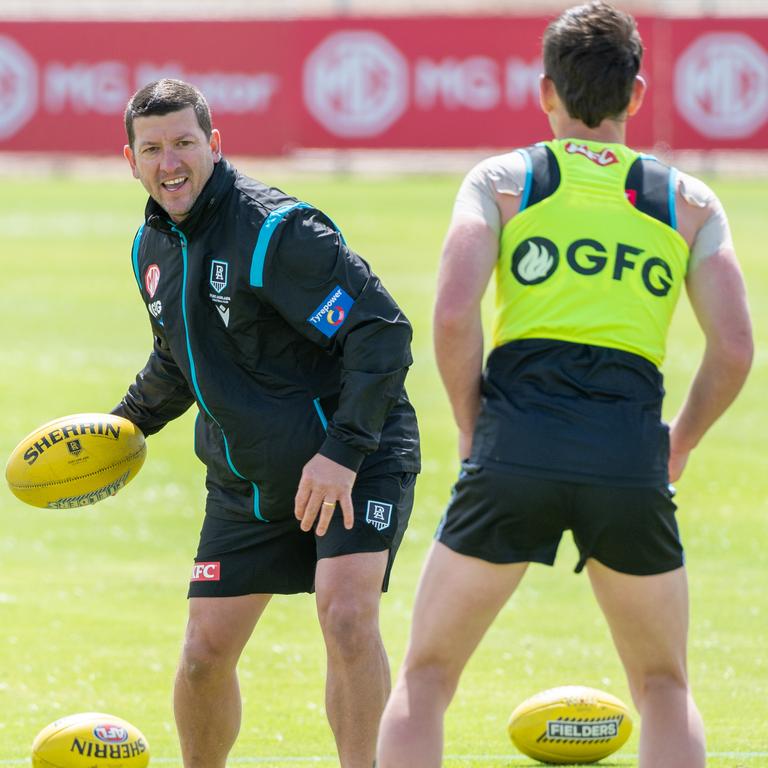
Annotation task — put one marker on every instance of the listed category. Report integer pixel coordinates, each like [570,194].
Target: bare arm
[468,259]
[718,297]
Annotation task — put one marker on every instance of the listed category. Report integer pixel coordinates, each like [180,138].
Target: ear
[215,145]
[639,87]
[129,156]
[547,94]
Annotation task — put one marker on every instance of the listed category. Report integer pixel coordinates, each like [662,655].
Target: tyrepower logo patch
[332,313]
[602,158]
[206,572]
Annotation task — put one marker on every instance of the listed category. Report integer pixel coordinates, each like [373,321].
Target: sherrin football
[570,724]
[90,740]
[75,460]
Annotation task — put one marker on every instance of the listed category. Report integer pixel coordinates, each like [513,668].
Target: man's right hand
[469,257]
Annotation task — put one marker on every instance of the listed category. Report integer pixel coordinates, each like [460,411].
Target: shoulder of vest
[542,176]
[650,186]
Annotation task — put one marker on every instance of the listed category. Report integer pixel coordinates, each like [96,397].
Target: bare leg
[648,617]
[358,682]
[206,695]
[457,599]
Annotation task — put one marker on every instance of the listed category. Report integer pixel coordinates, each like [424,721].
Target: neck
[608,132]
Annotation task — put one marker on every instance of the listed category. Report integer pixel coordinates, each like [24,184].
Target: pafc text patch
[332,313]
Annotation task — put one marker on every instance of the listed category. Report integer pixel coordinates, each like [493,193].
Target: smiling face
[173,159]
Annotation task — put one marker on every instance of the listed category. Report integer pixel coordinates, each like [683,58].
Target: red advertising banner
[719,84]
[417,82]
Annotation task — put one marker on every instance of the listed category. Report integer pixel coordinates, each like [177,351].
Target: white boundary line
[359,162]
[334,759]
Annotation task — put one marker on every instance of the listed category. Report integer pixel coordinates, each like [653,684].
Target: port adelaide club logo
[218,281]
[534,260]
[378,514]
[74,447]
[219,270]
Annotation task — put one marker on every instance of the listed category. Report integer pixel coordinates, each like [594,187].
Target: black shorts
[503,517]
[239,556]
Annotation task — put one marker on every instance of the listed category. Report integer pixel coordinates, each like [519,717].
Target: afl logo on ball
[534,260]
[151,279]
[110,734]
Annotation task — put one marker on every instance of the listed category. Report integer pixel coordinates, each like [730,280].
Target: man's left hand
[324,485]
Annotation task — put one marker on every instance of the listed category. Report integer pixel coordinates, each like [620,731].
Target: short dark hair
[164,96]
[592,54]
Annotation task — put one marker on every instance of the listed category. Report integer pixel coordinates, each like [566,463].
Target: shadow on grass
[602,764]
[519,762]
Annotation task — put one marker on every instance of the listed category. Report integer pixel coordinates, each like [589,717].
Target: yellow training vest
[584,265]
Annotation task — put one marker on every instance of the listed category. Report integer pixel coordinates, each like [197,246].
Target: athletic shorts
[242,556]
[503,517]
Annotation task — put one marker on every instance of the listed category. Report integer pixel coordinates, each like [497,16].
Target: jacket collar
[221,181]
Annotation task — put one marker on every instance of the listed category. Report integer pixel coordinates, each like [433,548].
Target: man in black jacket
[296,357]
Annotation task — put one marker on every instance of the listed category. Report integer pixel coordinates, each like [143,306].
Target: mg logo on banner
[721,85]
[18,87]
[356,83]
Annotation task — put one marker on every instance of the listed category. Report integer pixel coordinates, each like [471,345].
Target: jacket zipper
[193,374]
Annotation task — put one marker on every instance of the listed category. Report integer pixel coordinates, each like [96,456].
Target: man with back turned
[591,243]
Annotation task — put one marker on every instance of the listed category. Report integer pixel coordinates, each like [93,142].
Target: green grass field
[92,601]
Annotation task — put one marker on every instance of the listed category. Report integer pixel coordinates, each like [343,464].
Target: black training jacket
[282,335]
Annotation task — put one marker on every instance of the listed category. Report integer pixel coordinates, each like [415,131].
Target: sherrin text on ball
[90,740]
[75,460]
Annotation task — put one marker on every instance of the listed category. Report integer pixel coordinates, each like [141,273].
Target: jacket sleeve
[328,294]
[160,392]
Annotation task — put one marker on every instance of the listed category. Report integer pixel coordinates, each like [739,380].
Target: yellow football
[75,460]
[90,740]
[570,724]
